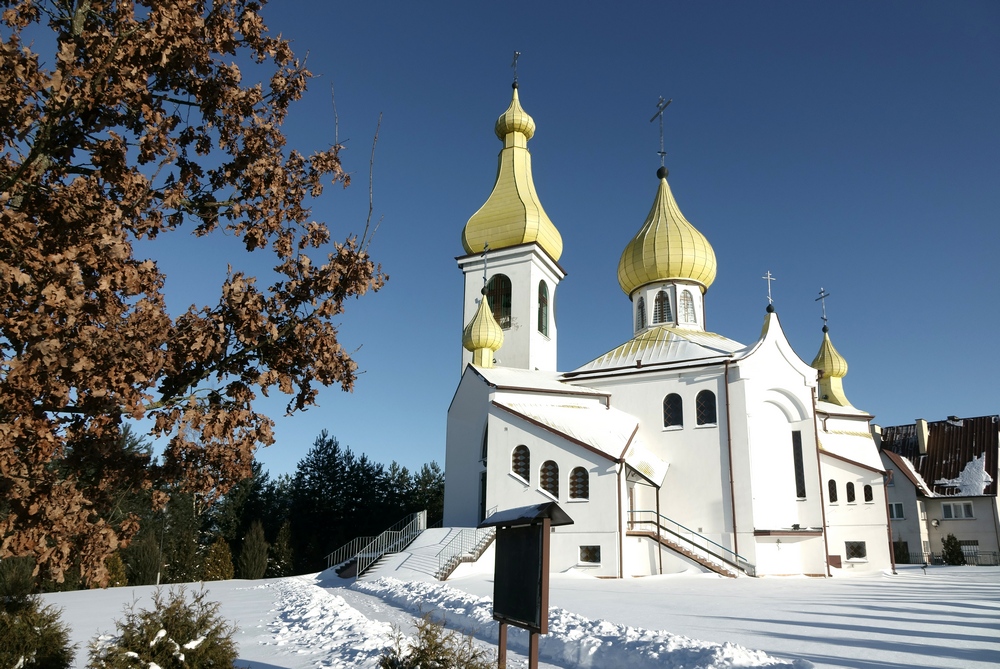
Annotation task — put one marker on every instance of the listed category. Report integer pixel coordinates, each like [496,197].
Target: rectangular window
[800,471]
[896,511]
[956,510]
[970,548]
[855,550]
[590,554]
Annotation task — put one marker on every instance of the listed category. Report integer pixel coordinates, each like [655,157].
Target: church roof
[512,214]
[667,247]
[857,447]
[607,430]
[664,345]
[533,380]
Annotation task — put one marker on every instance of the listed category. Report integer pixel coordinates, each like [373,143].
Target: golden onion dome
[828,360]
[666,248]
[512,214]
[833,368]
[515,119]
[483,336]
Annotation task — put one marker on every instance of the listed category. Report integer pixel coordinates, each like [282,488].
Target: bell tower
[512,252]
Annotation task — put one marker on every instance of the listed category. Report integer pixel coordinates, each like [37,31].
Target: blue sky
[853,146]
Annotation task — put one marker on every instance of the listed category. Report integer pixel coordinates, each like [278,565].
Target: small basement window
[590,554]
[855,550]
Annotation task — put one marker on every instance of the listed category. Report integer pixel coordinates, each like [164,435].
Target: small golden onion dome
[512,215]
[828,360]
[515,119]
[833,369]
[666,248]
[483,336]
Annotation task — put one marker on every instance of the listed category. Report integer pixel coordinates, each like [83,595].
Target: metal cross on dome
[822,298]
[483,255]
[514,64]
[769,278]
[660,108]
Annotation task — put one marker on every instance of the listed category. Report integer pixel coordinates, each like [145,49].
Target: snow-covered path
[948,618]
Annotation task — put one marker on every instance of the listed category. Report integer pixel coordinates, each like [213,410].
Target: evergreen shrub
[951,552]
[116,571]
[32,636]
[436,647]
[181,631]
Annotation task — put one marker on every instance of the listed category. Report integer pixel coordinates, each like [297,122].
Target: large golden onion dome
[666,248]
[512,214]
[483,336]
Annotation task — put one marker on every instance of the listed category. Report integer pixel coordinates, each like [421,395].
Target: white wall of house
[982,527]
[463,452]
[850,523]
[905,517]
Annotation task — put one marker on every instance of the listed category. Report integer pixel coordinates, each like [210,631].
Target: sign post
[521,581]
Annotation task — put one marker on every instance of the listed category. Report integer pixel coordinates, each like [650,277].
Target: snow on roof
[972,480]
[606,430]
[910,472]
[664,345]
[508,378]
[854,446]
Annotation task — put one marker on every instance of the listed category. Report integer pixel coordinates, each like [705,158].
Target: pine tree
[116,571]
[279,561]
[252,562]
[218,562]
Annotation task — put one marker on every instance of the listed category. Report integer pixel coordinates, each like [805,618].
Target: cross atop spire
[513,65]
[660,108]
[486,259]
[769,278]
[822,298]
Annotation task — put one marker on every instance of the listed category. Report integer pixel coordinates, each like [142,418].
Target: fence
[980,559]
[367,550]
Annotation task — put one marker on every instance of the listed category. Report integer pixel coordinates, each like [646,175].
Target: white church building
[678,449]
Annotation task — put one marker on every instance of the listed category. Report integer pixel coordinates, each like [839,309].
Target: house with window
[949,486]
[679,449]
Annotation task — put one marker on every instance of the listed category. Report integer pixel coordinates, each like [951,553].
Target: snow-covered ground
[949,617]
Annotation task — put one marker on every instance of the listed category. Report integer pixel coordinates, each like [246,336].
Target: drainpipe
[888,529]
[621,533]
[822,499]
[732,485]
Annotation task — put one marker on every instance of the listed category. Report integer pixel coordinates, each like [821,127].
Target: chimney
[877,435]
[922,434]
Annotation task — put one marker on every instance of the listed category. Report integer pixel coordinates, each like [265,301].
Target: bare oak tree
[123,121]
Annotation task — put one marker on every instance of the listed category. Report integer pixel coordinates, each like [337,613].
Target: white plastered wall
[858,520]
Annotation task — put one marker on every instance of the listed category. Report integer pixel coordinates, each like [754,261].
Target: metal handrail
[392,540]
[470,541]
[738,560]
[347,552]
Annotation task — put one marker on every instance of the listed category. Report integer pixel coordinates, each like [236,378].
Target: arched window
[833,491]
[687,307]
[661,308]
[850,493]
[543,308]
[705,405]
[579,484]
[498,295]
[673,411]
[520,463]
[869,494]
[640,314]
[549,478]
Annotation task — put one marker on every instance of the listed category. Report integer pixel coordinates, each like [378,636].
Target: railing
[393,539]
[466,546]
[347,552]
[979,559]
[650,521]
